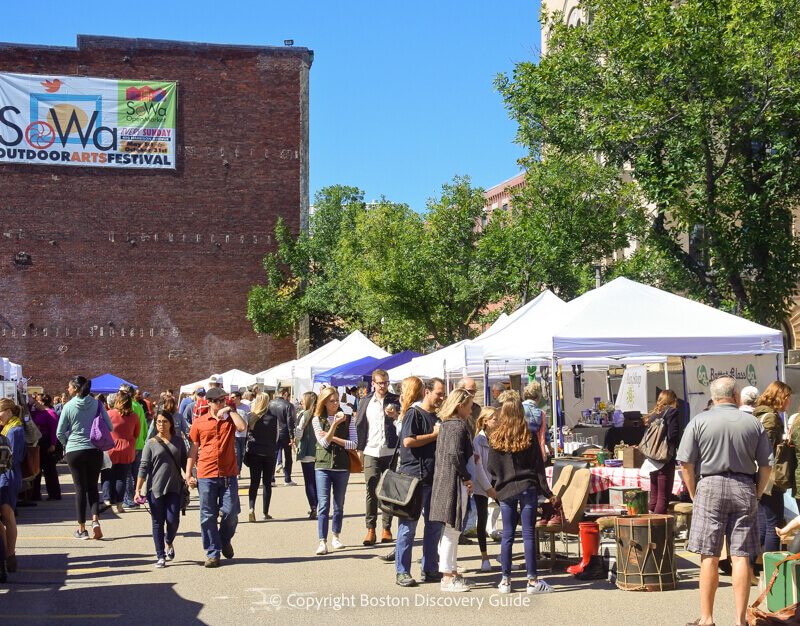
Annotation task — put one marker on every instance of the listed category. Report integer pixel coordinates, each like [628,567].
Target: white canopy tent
[430,365]
[351,348]
[231,377]
[274,375]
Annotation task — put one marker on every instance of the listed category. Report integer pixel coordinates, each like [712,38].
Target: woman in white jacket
[482,482]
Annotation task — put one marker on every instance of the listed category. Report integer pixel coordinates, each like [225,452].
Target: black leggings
[482,508]
[261,468]
[85,465]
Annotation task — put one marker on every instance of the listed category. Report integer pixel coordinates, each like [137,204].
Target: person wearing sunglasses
[213,451]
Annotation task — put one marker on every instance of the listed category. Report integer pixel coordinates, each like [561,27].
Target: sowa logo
[749,374]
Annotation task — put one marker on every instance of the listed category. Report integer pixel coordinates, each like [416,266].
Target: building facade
[145,273]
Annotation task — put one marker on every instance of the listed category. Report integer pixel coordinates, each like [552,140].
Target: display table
[609,436]
[603,478]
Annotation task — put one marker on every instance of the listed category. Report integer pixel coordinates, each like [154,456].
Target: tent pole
[557,440]
[486,401]
[686,415]
[666,375]
[781,367]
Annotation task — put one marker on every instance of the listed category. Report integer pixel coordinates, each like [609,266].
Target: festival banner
[755,370]
[633,390]
[95,122]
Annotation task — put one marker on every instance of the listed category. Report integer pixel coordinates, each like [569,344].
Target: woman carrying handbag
[163,456]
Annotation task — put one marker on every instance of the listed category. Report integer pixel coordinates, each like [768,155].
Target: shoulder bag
[785,464]
[400,494]
[100,435]
[185,493]
[759,617]
[655,445]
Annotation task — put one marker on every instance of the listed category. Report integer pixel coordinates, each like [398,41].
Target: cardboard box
[632,457]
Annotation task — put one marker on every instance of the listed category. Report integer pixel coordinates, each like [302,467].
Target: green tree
[699,100]
[302,277]
[572,213]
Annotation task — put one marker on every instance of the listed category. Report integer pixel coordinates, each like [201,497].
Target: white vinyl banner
[73,120]
[748,370]
[633,390]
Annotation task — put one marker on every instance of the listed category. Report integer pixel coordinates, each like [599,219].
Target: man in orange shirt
[214,433]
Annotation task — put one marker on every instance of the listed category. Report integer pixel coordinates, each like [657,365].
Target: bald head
[468,385]
[723,390]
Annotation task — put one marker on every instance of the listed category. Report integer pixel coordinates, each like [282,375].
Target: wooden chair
[573,500]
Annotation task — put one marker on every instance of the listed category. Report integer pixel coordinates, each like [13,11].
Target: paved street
[275,577]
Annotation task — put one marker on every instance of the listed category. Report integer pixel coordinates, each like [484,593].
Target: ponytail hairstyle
[10,405]
[665,398]
[82,385]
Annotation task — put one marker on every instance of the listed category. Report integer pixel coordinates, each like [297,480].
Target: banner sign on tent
[72,120]
[747,370]
[633,391]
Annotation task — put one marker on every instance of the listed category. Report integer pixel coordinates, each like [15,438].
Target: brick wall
[145,274]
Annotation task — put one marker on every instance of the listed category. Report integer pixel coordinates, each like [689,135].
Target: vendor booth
[108,383]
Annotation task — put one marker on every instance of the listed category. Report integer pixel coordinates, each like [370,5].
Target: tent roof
[627,319]
[277,373]
[354,346]
[325,377]
[429,365]
[234,376]
[108,383]
[353,374]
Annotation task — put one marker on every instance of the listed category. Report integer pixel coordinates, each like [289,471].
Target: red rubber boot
[590,545]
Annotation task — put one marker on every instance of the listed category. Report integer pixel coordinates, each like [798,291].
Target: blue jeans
[407,530]
[328,480]
[240,444]
[508,509]
[310,479]
[770,515]
[218,494]
[130,481]
[164,511]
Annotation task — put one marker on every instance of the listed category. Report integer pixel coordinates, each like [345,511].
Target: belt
[752,476]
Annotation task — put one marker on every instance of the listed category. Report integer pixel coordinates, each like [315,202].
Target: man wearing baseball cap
[214,432]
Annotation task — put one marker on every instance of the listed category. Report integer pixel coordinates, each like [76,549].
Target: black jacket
[262,438]
[283,411]
[362,423]
[514,472]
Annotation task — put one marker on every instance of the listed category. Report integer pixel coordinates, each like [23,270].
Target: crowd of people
[463,456]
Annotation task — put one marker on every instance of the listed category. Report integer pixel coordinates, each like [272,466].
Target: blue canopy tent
[325,377]
[355,373]
[108,383]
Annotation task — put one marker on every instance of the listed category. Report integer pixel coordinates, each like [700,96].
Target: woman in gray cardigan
[163,457]
[451,483]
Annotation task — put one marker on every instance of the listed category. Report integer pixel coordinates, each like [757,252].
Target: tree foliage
[409,280]
[699,100]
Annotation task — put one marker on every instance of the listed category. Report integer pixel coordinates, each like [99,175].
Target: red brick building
[145,273]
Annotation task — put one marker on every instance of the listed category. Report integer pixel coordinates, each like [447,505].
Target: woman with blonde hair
[775,400]
[662,478]
[452,483]
[336,434]
[306,450]
[261,454]
[10,482]
[516,464]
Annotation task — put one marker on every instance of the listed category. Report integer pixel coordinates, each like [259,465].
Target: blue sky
[401,93]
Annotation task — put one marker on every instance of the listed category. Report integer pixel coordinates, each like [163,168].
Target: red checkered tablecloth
[605,477]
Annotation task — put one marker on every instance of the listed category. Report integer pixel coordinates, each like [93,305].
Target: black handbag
[400,494]
[655,445]
[186,495]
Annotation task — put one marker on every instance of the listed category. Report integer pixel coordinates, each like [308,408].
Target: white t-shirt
[376,427]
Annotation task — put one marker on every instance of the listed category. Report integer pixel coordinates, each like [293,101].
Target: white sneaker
[337,545]
[486,566]
[504,586]
[456,584]
[291,483]
[322,549]
[539,587]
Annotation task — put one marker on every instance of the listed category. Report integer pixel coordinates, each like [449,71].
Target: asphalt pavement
[274,576]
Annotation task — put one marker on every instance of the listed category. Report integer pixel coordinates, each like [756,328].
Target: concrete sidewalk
[276,578]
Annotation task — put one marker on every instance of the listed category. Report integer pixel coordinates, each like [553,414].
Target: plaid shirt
[199,407]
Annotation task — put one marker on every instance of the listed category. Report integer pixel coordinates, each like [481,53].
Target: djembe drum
[646,552]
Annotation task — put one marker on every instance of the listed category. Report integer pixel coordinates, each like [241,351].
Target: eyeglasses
[471,392]
[380,382]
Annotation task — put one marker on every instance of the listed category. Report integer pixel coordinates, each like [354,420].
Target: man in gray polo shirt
[726,460]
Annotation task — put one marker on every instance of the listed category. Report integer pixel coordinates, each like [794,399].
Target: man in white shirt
[377,438]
